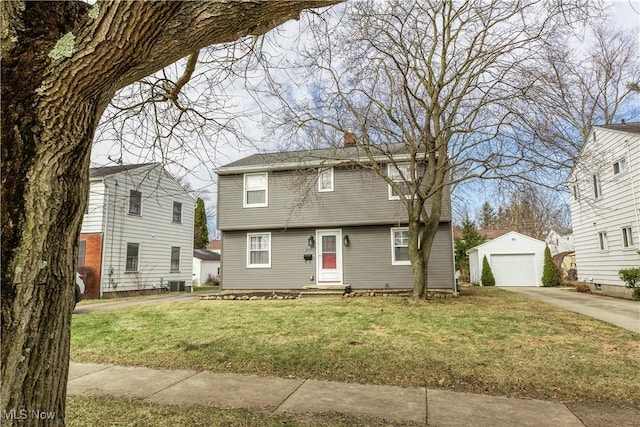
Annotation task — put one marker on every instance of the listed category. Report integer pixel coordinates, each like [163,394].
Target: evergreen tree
[487,216]
[550,272]
[486,277]
[200,230]
[470,239]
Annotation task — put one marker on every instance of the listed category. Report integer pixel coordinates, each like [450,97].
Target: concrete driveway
[620,312]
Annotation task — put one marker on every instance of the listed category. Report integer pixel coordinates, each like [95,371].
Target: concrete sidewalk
[620,312]
[400,405]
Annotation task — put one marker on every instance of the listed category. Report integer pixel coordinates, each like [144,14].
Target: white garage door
[514,269]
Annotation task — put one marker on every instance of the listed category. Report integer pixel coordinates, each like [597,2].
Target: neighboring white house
[515,260]
[206,264]
[605,206]
[137,231]
[559,243]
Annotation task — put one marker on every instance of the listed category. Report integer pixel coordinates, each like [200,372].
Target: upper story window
[82,251]
[400,173]
[133,251]
[325,180]
[256,190]
[177,212]
[135,202]
[603,242]
[259,250]
[597,188]
[400,246]
[620,166]
[627,237]
[175,258]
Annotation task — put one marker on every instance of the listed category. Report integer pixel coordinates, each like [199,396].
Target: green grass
[487,341]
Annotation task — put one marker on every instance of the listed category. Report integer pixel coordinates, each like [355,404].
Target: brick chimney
[349,138]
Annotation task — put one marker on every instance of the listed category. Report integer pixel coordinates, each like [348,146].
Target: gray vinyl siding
[366,262]
[154,230]
[359,198]
[617,207]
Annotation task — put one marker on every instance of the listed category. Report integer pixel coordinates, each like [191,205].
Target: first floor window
[602,241]
[400,246]
[133,252]
[175,258]
[177,212]
[82,251]
[627,237]
[259,250]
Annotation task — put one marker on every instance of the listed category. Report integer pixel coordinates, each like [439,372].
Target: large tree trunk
[52,100]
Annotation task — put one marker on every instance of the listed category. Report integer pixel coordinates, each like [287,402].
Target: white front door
[329,256]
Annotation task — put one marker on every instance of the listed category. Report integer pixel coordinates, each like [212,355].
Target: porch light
[346,240]
[311,241]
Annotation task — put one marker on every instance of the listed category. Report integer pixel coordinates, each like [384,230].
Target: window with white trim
[256,190]
[175,258]
[620,166]
[400,246]
[135,202]
[603,242]
[177,212]
[133,251]
[597,188]
[258,250]
[82,252]
[627,237]
[400,173]
[325,180]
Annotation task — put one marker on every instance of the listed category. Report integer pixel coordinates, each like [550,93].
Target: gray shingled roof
[340,154]
[623,127]
[102,171]
[206,255]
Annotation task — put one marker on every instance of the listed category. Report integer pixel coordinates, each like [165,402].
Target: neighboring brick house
[304,219]
[605,206]
[137,232]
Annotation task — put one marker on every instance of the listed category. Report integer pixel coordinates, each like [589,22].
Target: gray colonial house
[605,206]
[316,219]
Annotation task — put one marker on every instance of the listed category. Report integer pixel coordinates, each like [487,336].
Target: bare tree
[422,88]
[62,63]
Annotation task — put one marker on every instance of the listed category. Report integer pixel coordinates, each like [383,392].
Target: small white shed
[515,260]
[205,263]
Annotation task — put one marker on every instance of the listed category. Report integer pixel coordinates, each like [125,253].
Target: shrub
[550,272]
[486,277]
[581,287]
[631,276]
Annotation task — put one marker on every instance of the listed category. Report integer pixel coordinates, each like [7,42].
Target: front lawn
[487,341]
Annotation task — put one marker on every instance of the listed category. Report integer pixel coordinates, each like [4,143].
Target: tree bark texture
[62,62]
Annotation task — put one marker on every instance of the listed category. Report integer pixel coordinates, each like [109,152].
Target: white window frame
[393,171]
[324,172]
[627,237]
[621,165]
[603,241]
[597,185]
[264,188]
[138,195]
[173,212]
[126,258]
[249,250]
[393,246]
[82,252]
[171,259]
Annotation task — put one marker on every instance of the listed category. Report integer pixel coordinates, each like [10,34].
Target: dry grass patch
[487,341]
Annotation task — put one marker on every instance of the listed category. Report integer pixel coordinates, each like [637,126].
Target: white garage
[515,260]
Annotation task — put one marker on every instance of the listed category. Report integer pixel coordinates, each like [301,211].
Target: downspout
[105,222]
[635,196]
